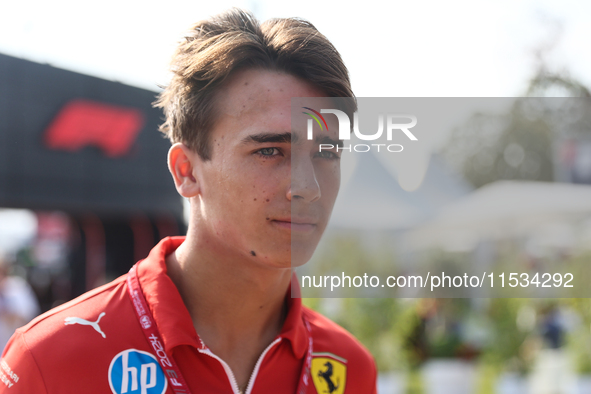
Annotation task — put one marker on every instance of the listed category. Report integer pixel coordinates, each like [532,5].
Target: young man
[212,312]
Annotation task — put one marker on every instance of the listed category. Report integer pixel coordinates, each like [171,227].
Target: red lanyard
[172,371]
[305,375]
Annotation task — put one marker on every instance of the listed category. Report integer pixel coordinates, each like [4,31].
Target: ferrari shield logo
[329,374]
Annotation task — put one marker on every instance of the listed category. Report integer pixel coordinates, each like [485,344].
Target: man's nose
[303,185]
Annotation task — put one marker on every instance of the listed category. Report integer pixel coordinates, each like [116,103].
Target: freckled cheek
[252,191]
[329,180]
[247,193]
[250,185]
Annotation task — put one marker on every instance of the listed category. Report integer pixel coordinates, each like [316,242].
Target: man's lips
[295,224]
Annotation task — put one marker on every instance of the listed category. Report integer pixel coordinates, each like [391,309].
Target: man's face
[267,192]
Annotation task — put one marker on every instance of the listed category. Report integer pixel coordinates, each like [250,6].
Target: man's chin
[301,255]
[294,255]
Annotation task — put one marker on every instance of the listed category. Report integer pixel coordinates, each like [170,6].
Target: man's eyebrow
[287,138]
[271,137]
[328,140]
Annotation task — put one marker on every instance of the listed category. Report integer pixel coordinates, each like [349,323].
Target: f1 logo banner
[76,143]
[83,123]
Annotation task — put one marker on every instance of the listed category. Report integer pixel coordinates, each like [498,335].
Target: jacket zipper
[258,365]
[230,374]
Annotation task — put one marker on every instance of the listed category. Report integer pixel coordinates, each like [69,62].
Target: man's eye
[328,155]
[268,151]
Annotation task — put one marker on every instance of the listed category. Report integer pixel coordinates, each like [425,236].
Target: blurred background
[85,193]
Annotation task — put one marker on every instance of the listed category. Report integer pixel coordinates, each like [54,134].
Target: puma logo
[93,324]
[326,375]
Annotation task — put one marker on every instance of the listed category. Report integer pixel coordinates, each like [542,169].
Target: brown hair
[216,47]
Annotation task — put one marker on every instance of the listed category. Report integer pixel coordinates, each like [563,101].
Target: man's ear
[181,163]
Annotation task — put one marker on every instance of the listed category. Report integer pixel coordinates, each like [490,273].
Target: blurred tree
[519,144]
[522,143]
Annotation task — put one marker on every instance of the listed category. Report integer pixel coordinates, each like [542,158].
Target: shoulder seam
[22,335]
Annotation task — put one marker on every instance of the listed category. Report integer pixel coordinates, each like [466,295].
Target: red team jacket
[95,344]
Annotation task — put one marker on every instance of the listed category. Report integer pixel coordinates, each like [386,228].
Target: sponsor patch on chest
[329,373]
[134,371]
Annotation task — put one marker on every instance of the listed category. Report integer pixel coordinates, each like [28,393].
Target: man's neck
[237,307]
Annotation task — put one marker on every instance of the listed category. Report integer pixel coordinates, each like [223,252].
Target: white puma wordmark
[93,324]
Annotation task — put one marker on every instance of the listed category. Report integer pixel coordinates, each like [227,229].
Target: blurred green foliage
[403,333]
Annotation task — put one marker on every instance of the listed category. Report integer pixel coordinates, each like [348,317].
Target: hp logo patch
[136,372]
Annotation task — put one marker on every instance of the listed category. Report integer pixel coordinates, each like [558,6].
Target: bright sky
[400,48]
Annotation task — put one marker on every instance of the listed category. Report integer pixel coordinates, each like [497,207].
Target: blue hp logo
[135,372]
